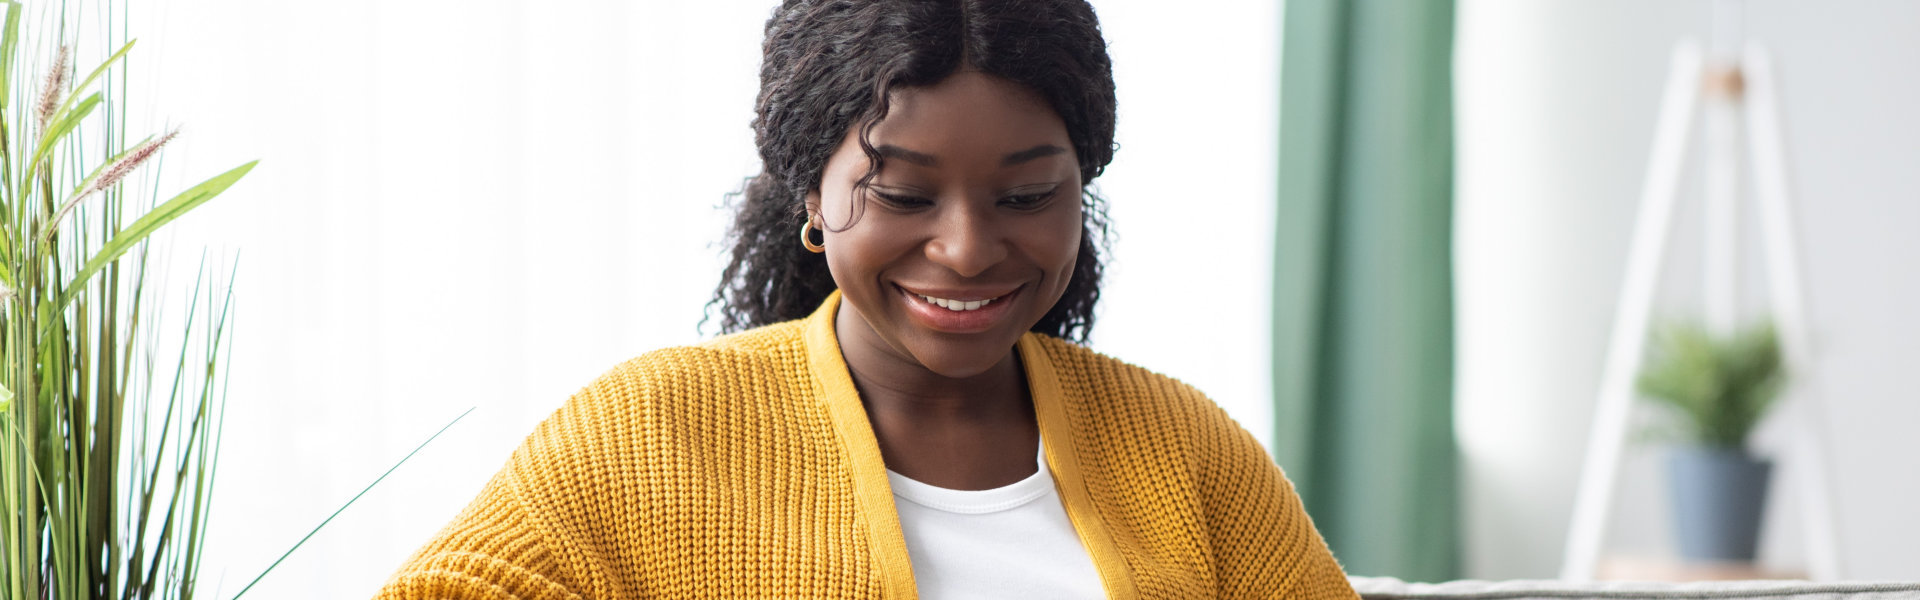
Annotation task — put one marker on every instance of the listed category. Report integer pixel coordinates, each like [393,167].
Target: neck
[972,432]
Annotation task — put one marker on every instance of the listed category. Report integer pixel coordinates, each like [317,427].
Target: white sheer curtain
[486,203]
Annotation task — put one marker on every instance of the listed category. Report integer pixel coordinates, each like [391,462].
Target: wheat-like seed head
[120,168]
[51,88]
[112,174]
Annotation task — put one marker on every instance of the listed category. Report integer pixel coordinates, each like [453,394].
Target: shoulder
[671,412]
[1071,359]
[678,384]
[1151,407]
[1107,384]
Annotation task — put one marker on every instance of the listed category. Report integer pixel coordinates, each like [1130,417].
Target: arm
[492,550]
[1264,545]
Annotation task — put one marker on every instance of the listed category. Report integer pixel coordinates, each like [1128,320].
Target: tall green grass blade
[134,584]
[210,454]
[350,501]
[58,127]
[160,215]
[84,83]
[9,40]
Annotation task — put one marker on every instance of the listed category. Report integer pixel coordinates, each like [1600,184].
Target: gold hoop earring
[806,238]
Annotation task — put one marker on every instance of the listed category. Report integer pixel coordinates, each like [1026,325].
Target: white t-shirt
[1007,542]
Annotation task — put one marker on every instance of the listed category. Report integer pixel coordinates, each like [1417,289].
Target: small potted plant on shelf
[1719,387]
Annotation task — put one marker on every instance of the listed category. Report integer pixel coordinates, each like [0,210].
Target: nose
[966,241]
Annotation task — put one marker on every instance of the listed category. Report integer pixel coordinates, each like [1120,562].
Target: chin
[961,360]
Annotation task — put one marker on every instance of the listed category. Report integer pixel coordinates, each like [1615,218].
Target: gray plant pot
[1718,497]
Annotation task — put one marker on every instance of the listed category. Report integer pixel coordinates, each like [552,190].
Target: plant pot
[1718,497]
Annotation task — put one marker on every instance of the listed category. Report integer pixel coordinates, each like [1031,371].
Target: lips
[958,310]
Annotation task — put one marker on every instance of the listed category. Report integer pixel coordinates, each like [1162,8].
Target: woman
[895,411]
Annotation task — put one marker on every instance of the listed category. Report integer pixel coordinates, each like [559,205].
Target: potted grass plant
[1718,387]
[108,438]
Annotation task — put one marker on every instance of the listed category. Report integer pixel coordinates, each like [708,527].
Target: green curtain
[1363,311]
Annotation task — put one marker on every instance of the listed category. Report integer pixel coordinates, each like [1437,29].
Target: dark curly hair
[828,66]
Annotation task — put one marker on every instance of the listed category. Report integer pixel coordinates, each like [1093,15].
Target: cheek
[840,203]
[836,206]
[859,252]
[1061,245]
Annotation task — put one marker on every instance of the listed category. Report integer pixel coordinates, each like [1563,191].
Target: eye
[897,200]
[1028,201]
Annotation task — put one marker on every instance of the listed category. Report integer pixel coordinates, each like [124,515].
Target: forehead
[969,115]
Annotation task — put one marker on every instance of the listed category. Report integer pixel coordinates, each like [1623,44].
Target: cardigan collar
[833,387]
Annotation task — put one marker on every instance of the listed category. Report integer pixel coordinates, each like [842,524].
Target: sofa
[1384,588]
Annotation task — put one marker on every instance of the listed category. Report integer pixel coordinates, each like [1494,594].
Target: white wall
[1191,191]
[1556,103]
[487,203]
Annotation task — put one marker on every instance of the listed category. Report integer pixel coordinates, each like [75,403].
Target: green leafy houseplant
[1720,385]
[108,440]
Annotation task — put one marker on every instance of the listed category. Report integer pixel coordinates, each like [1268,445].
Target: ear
[813,206]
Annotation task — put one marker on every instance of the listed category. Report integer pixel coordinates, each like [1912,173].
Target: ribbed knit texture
[716,471]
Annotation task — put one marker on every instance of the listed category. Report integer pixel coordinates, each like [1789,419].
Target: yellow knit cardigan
[745,467]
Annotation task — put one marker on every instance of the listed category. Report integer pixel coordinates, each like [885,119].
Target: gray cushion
[1386,588]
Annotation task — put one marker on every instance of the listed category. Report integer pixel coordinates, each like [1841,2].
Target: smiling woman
[899,408]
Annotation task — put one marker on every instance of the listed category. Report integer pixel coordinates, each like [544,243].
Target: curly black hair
[829,65]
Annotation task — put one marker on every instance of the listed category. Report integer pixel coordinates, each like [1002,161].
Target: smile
[956,305]
[958,311]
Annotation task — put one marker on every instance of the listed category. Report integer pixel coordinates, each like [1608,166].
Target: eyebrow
[918,158]
[928,160]
[1040,151]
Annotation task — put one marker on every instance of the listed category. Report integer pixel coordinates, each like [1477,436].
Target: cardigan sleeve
[1264,544]
[492,551]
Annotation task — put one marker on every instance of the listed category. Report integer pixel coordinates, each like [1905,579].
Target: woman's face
[976,206]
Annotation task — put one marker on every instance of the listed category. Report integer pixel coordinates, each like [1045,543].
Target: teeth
[956,305]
